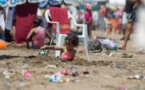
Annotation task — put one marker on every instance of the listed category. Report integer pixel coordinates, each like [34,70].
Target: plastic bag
[109,44]
[2,44]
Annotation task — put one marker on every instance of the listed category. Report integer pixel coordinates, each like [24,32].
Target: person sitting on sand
[67,52]
[37,34]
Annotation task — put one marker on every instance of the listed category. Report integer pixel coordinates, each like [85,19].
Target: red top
[68,56]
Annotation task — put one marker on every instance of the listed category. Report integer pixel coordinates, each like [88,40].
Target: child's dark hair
[73,39]
[37,22]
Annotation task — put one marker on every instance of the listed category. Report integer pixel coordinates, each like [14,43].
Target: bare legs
[129,29]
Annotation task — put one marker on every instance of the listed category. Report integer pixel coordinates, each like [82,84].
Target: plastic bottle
[42,53]
[81,58]
[56,77]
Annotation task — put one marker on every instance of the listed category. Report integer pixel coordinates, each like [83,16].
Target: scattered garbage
[8,74]
[3,44]
[124,55]
[109,53]
[107,76]
[47,76]
[75,73]
[25,66]
[85,72]
[56,77]
[139,77]
[81,58]
[51,66]
[95,46]
[42,53]
[64,72]
[120,66]
[123,88]
[65,80]
[71,68]
[109,44]
[26,73]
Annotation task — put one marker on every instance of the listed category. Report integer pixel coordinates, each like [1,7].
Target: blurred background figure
[130,25]
[88,19]
[2,19]
[126,14]
[140,27]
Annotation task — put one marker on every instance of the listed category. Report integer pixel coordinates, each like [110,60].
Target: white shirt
[9,20]
[2,22]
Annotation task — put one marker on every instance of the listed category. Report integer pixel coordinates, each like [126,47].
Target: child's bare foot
[122,48]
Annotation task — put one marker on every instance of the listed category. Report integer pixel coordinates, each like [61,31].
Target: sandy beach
[103,71]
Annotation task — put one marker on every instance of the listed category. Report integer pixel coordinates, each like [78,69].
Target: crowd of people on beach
[106,18]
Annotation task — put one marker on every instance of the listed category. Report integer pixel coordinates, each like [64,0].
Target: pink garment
[87,16]
[39,38]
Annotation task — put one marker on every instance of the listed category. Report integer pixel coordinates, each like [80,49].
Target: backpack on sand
[95,46]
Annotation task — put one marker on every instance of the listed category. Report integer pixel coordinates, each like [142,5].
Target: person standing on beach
[126,14]
[130,24]
[88,19]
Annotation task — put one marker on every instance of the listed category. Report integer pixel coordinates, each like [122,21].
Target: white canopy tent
[119,3]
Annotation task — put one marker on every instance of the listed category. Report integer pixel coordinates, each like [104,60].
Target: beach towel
[26,14]
[60,15]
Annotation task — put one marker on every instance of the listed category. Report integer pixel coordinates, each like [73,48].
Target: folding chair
[61,36]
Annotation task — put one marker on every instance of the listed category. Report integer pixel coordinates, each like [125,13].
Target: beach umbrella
[119,3]
[25,15]
[112,7]
[13,3]
[85,1]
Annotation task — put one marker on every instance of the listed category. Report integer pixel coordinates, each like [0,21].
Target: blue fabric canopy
[13,3]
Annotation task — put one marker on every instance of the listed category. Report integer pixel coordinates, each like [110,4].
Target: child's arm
[53,47]
[28,37]
[48,35]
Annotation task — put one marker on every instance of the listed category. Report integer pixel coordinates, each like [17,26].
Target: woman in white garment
[2,19]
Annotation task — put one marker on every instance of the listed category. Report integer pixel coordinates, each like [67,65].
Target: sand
[102,72]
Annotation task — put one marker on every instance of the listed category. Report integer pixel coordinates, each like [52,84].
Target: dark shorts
[133,15]
[34,46]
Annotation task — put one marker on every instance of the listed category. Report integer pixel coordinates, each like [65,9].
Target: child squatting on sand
[67,52]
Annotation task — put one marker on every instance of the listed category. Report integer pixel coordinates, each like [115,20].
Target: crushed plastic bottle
[136,77]
[64,72]
[42,53]
[72,67]
[8,74]
[81,58]
[66,80]
[26,73]
[56,77]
